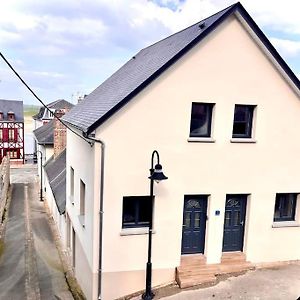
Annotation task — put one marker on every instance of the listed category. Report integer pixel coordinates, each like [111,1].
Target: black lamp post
[156,174]
[41,188]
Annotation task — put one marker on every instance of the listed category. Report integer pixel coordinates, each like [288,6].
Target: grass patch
[75,288]
[31,110]
[1,247]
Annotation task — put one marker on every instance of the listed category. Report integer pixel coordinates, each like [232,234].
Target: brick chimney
[60,133]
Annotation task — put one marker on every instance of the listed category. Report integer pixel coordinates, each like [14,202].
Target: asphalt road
[280,283]
[12,262]
[30,267]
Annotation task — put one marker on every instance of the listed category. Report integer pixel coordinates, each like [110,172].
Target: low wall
[4,189]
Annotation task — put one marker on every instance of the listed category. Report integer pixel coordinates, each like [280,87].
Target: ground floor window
[285,206]
[136,211]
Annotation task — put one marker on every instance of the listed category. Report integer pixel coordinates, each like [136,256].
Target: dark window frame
[280,200]
[11,116]
[210,107]
[72,181]
[136,223]
[82,204]
[248,123]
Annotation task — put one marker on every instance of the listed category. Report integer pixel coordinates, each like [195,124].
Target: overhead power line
[38,98]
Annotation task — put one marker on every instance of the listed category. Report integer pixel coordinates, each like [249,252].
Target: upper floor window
[136,211]
[11,116]
[11,135]
[201,118]
[285,207]
[72,181]
[82,198]
[242,123]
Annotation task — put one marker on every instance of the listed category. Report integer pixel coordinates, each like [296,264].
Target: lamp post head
[158,174]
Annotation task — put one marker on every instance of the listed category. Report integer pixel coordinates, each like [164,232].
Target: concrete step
[185,282]
[227,269]
[192,260]
[194,270]
[233,257]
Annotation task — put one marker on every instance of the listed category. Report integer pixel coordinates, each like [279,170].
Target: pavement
[280,283]
[30,267]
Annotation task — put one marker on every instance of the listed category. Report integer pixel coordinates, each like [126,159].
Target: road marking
[31,277]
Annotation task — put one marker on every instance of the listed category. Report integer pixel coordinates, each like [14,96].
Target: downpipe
[100,210]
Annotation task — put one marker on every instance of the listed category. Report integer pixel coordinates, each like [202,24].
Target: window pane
[197,220]
[200,119]
[239,128]
[187,219]
[129,210]
[277,210]
[136,211]
[227,218]
[285,207]
[242,123]
[237,218]
[241,113]
[144,213]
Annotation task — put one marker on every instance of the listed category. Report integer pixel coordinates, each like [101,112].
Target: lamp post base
[148,296]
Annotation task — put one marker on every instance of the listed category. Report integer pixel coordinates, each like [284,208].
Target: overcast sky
[65,48]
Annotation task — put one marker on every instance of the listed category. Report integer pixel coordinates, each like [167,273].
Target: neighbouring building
[50,137]
[44,115]
[217,101]
[44,138]
[12,130]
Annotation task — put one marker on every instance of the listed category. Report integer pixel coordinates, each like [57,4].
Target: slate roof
[15,106]
[148,64]
[58,104]
[45,134]
[56,172]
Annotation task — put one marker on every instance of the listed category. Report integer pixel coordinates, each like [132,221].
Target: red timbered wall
[12,140]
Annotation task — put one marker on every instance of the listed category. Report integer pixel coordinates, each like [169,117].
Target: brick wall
[60,134]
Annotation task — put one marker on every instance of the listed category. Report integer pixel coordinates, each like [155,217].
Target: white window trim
[282,224]
[135,231]
[201,140]
[243,140]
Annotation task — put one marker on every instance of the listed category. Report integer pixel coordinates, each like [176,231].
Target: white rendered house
[222,108]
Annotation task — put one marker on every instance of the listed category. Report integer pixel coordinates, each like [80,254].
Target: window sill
[81,220]
[201,140]
[241,140]
[135,231]
[285,224]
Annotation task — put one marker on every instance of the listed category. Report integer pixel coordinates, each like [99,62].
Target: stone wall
[4,188]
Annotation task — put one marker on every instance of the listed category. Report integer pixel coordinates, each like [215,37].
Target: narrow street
[30,267]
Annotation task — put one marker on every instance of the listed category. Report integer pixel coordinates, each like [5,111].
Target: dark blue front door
[194,223]
[234,222]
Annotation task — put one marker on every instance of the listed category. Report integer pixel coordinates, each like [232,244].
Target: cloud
[287,48]
[87,40]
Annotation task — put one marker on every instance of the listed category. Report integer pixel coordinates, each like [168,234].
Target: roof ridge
[136,74]
[186,28]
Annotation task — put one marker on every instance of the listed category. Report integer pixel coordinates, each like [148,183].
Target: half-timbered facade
[12,130]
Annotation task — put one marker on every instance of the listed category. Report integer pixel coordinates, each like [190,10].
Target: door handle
[242,223]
